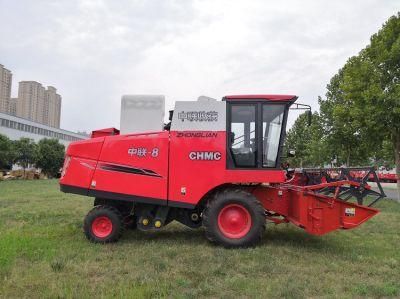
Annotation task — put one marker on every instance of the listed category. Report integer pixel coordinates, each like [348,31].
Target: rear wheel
[234,218]
[125,208]
[103,224]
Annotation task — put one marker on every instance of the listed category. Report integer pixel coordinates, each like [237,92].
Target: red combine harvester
[385,176]
[216,165]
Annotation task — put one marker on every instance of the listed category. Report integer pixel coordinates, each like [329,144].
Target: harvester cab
[216,165]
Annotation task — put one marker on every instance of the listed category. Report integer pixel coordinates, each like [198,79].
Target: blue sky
[94,51]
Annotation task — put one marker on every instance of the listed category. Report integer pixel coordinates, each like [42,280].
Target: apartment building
[39,104]
[52,107]
[30,100]
[13,106]
[5,89]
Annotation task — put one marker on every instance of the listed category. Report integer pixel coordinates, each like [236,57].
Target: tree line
[47,154]
[316,146]
[358,122]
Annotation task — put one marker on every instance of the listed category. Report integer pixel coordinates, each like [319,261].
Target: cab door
[255,133]
[242,135]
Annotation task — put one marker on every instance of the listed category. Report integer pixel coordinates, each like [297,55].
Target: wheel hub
[102,227]
[234,221]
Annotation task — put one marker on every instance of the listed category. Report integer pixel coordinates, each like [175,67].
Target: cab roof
[267,97]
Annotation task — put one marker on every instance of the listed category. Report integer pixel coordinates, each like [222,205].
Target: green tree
[341,131]
[297,139]
[382,57]
[25,152]
[6,152]
[362,109]
[308,141]
[50,156]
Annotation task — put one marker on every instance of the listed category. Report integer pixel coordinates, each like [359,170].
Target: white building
[15,127]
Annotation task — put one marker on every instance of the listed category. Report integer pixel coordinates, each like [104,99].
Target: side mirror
[309,117]
[291,153]
[298,106]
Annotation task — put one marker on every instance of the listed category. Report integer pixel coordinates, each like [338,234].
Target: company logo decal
[206,116]
[205,156]
[197,134]
[143,152]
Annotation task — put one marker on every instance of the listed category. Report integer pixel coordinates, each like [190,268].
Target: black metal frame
[314,176]
[125,197]
[298,106]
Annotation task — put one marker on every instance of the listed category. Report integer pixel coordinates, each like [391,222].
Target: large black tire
[103,224]
[220,219]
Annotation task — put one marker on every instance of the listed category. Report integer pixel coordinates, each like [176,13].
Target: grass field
[43,253]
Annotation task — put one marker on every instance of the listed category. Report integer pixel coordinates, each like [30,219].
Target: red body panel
[84,155]
[190,179]
[82,171]
[134,165]
[88,149]
[127,164]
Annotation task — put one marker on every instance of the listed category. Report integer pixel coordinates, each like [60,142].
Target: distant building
[34,114]
[39,104]
[15,128]
[30,96]
[13,106]
[52,107]
[5,89]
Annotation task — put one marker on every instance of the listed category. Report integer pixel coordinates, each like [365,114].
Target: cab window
[272,120]
[242,139]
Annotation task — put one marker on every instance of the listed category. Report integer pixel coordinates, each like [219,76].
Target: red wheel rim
[234,221]
[102,227]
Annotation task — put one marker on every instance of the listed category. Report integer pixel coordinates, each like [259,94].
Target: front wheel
[234,218]
[103,224]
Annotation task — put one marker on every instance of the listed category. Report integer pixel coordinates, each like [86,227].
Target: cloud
[94,51]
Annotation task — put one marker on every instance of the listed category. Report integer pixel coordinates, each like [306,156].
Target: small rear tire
[103,224]
[234,218]
[125,208]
